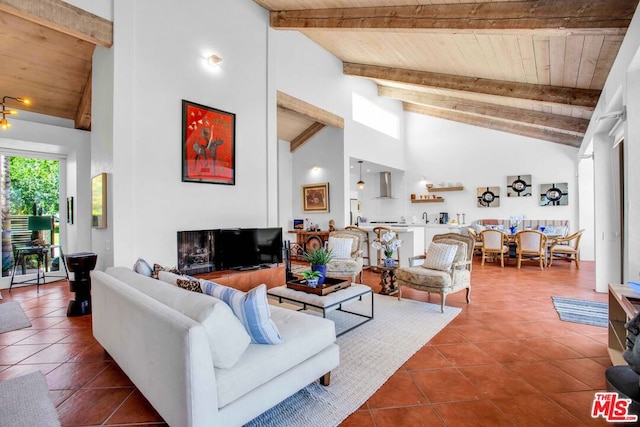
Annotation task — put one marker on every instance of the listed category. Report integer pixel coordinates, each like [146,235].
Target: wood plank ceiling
[533,68]
[46,48]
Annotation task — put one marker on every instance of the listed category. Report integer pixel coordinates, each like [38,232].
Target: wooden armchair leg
[325,379]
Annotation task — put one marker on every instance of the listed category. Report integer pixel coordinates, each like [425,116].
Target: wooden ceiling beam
[83,113]
[305,136]
[63,17]
[550,95]
[574,125]
[315,113]
[497,124]
[537,16]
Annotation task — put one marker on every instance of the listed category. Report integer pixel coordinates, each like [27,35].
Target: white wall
[102,147]
[308,72]
[621,90]
[155,67]
[451,152]
[326,151]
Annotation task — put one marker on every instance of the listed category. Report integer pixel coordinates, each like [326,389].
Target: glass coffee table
[326,303]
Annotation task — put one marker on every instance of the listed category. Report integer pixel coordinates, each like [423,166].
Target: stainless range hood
[385,185]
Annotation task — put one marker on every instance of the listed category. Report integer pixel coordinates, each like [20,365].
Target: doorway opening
[30,208]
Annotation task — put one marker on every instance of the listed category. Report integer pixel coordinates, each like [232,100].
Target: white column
[606,213]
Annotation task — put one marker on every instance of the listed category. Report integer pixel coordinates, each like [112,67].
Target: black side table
[80,264]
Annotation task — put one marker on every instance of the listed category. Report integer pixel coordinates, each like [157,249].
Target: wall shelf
[437,189]
[440,200]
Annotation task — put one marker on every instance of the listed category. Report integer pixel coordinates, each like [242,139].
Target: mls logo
[609,406]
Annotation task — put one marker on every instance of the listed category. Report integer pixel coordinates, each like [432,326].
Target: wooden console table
[249,279]
[307,241]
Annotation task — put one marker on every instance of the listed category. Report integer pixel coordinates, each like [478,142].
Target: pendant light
[360,183]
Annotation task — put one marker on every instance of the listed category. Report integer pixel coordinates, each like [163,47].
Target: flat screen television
[247,248]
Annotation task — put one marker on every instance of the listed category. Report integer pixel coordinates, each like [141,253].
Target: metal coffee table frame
[282,293]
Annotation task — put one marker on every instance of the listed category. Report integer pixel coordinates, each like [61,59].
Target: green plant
[311,275]
[320,256]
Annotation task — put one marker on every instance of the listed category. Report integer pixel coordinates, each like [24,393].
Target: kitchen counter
[416,237]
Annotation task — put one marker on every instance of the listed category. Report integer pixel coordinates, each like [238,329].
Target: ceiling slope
[533,68]
[46,49]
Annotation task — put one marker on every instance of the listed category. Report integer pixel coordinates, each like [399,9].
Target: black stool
[80,264]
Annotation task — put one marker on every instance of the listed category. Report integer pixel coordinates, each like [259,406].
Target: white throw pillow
[440,256]
[341,247]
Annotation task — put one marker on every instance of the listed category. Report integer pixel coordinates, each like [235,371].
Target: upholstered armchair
[567,248]
[444,269]
[347,253]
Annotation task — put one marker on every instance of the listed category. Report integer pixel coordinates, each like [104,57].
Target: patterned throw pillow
[157,268]
[440,256]
[252,308]
[142,267]
[341,247]
[190,285]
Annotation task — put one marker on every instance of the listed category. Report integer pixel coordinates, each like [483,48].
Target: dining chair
[477,242]
[494,242]
[380,231]
[567,248]
[531,244]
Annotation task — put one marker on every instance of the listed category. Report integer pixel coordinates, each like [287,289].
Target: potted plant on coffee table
[319,259]
[311,277]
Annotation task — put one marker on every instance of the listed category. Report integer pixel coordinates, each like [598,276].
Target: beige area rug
[12,317]
[369,355]
[25,402]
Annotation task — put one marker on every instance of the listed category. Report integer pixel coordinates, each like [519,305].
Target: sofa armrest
[413,261]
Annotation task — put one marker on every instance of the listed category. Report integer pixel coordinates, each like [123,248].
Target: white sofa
[170,357]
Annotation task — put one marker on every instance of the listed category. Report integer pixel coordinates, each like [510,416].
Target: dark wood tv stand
[245,280]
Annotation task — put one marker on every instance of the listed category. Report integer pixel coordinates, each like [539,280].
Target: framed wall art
[488,197]
[99,201]
[315,198]
[519,186]
[70,210]
[208,145]
[554,194]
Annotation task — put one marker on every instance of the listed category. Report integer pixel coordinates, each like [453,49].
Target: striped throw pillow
[252,308]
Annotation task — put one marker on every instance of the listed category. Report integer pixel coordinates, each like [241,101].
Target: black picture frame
[208,144]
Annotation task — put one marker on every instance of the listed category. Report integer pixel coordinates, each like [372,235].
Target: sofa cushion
[252,308]
[304,336]
[439,256]
[142,267]
[341,247]
[170,278]
[228,339]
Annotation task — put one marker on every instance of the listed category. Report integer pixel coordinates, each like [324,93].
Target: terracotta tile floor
[505,360]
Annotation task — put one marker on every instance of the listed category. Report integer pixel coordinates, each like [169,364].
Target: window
[375,117]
